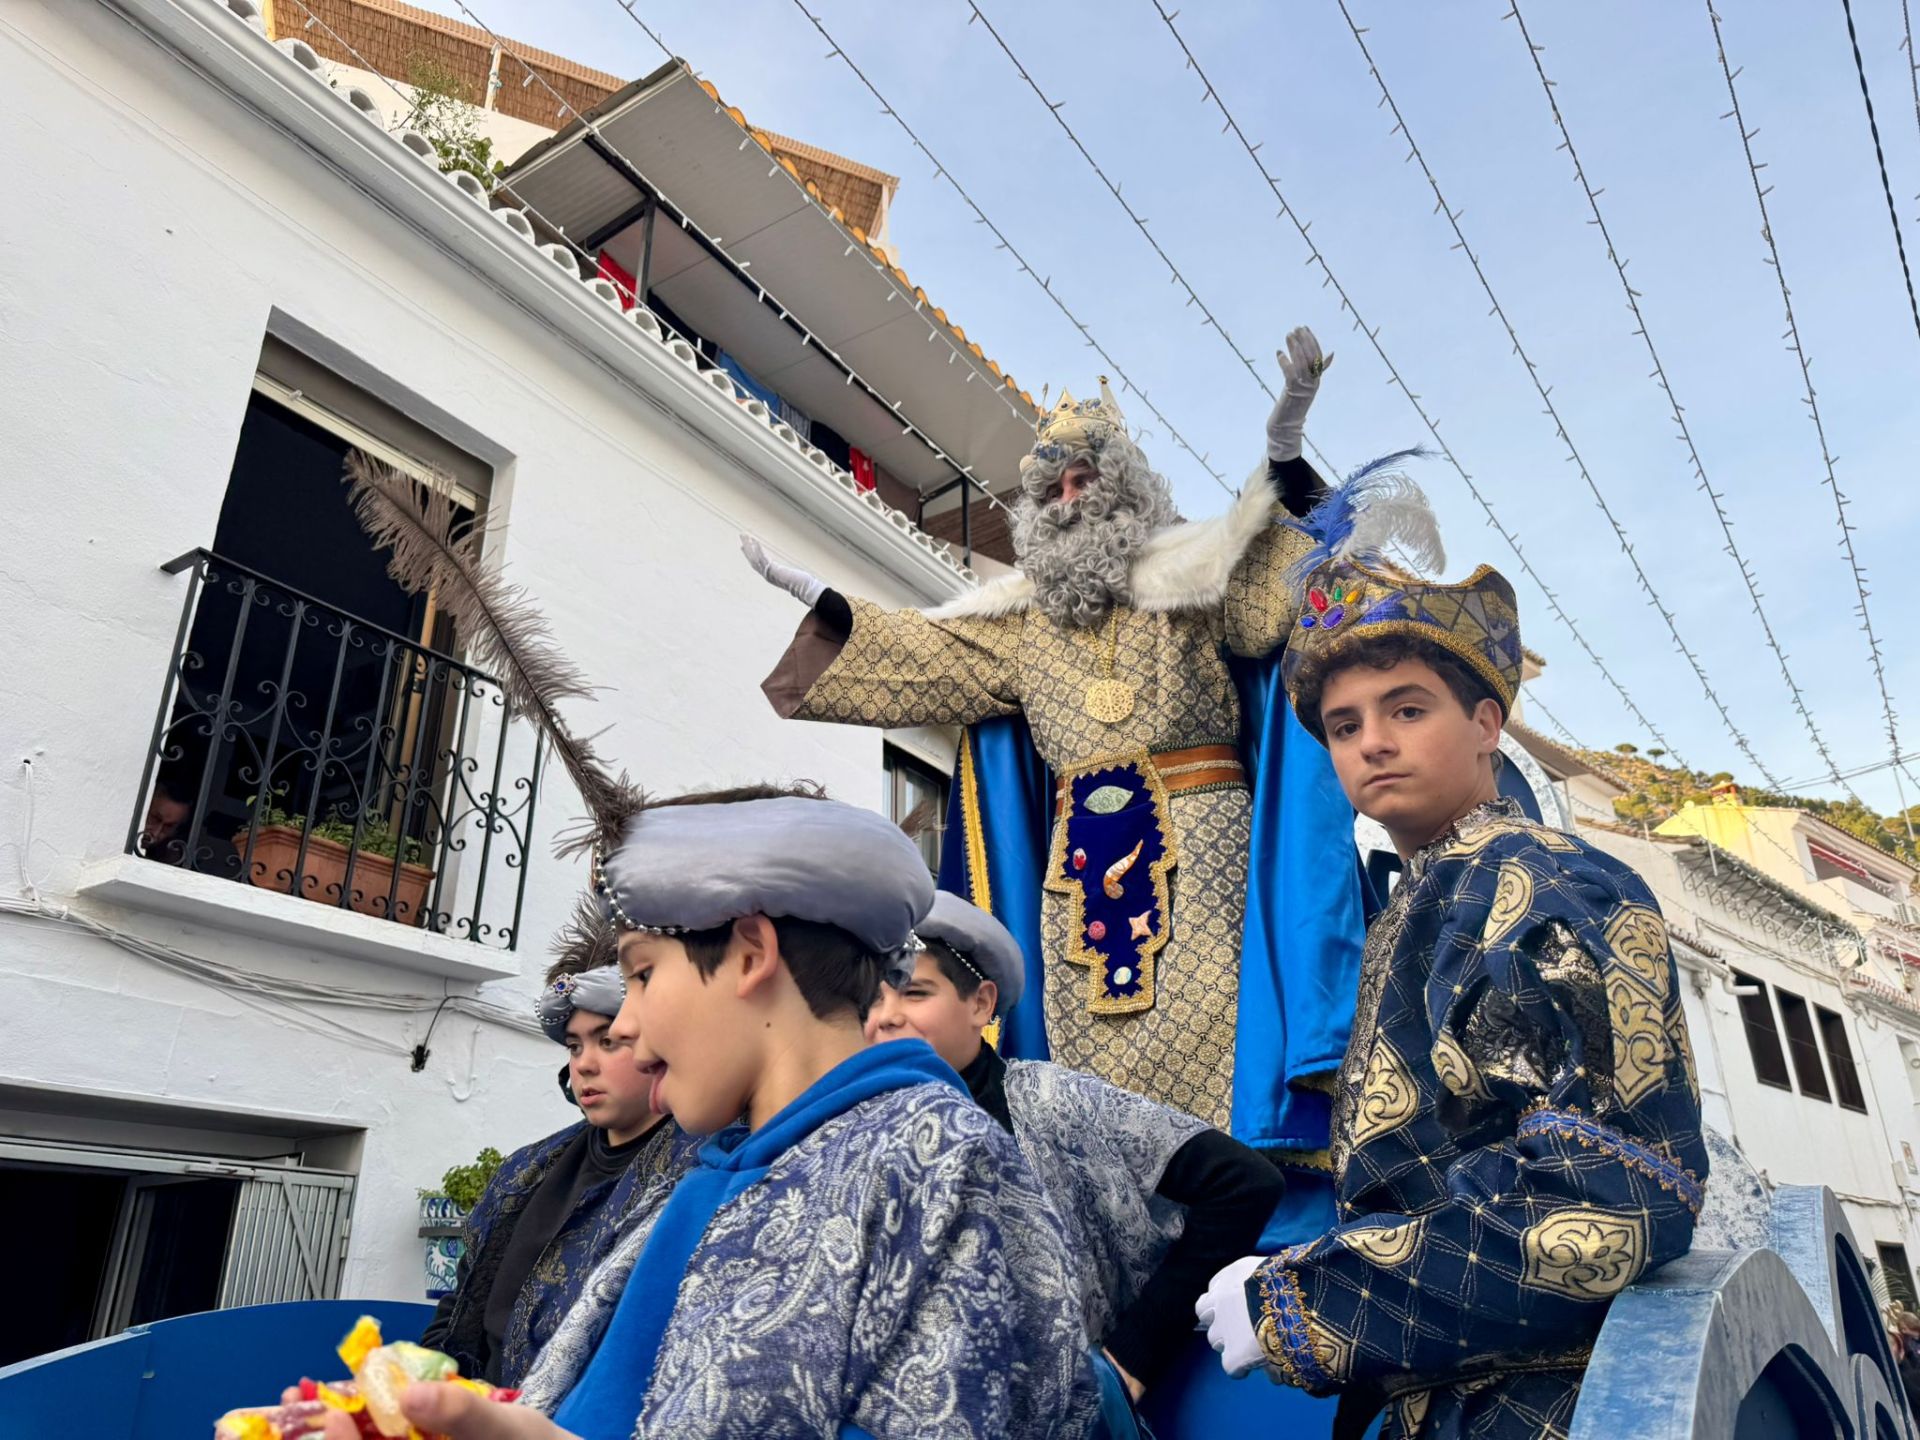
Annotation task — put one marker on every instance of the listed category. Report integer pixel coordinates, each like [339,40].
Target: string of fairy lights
[1211,319]
[1464,248]
[1396,377]
[1830,478]
[1675,410]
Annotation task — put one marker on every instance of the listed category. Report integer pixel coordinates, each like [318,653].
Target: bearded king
[1132,647]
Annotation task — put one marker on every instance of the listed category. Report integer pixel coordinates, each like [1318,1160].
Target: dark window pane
[917,801]
[1893,1260]
[1846,1077]
[1805,1050]
[1763,1036]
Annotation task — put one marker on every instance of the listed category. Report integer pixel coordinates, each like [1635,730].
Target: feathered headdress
[1371,538]
[1375,510]
[586,942]
[510,637]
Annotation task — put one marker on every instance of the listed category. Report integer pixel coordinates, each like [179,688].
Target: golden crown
[1078,424]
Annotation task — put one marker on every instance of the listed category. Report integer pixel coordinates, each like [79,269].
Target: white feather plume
[1395,515]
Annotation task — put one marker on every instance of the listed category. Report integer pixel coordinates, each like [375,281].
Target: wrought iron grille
[303,749]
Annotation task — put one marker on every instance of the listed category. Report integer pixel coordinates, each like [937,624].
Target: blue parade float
[1752,1344]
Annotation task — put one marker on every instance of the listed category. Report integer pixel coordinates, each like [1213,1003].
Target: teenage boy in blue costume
[864,1252]
[1516,1131]
[550,1213]
[1155,1200]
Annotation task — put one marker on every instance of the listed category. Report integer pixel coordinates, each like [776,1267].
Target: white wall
[155,229]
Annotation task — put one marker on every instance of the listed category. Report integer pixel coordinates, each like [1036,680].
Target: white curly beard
[1079,553]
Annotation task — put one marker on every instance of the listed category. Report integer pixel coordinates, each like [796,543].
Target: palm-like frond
[511,638]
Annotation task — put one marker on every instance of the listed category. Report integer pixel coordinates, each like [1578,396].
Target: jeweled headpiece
[1078,424]
[1349,590]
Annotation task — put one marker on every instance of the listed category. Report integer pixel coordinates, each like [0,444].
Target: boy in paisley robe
[1155,1200]
[858,1249]
[1516,1131]
[551,1211]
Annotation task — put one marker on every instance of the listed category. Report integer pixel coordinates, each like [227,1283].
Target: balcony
[324,780]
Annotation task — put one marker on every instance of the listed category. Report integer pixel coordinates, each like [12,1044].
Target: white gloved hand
[1229,1324]
[1302,365]
[791,578]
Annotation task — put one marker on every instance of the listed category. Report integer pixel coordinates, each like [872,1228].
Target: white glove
[1229,1324]
[1302,365]
[791,578]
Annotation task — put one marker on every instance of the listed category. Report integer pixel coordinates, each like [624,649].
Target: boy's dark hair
[833,970]
[1383,652]
[965,979]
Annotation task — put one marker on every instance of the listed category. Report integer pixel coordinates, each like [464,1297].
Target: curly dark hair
[1383,652]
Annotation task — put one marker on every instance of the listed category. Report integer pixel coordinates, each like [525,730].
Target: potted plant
[442,1213]
[276,854]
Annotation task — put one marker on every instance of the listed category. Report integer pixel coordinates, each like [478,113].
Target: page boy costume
[1516,1131]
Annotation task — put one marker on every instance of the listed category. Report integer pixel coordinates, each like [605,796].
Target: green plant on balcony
[377,837]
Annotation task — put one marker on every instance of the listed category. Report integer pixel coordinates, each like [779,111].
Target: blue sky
[1642,92]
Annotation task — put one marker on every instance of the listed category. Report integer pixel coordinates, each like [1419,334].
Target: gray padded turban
[694,867]
[599,991]
[983,944]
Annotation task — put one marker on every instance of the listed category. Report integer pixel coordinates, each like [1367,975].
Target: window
[1805,1050]
[1846,1078]
[916,801]
[318,733]
[1893,1260]
[1763,1035]
[1910,1058]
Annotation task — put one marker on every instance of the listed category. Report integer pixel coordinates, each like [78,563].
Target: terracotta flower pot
[276,852]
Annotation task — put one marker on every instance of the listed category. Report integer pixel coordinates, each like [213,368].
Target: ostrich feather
[1374,507]
[586,942]
[511,638]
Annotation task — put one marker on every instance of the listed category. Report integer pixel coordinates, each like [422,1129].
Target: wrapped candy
[381,1374]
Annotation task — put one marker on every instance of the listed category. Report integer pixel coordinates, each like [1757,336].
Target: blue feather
[1330,523]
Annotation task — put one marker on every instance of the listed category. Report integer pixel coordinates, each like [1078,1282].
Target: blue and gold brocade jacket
[1516,1138]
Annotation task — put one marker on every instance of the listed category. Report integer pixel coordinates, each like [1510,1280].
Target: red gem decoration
[1079,859]
[1097,930]
[1317,599]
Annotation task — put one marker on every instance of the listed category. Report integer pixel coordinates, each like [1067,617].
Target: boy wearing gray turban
[858,1248]
[1150,1196]
[551,1211]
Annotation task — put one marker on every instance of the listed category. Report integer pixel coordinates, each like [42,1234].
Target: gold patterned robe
[1199,589]
[1516,1136]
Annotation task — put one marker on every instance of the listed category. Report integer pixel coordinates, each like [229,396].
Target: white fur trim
[1183,567]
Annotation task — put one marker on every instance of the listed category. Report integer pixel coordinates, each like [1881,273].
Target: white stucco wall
[156,229]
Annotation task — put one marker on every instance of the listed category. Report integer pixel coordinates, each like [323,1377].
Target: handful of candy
[381,1372]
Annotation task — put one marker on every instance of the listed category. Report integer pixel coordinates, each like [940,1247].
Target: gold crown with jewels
[1079,424]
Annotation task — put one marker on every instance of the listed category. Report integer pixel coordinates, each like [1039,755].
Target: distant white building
[220,276]
[1791,936]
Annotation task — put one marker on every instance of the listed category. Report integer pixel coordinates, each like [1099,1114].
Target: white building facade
[219,277]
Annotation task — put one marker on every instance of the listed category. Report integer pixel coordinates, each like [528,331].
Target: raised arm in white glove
[1229,1324]
[791,578]
[1302,364]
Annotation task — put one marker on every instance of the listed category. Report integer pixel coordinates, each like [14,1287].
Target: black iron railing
[304,749]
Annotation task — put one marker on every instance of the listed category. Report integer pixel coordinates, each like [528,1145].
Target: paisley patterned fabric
[1516,1134]
[900,1270]
[1100,1152]
[557,1276]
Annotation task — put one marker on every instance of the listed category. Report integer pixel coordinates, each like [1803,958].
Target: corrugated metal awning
[699,158]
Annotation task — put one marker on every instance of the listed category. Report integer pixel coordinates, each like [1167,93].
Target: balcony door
[315,703]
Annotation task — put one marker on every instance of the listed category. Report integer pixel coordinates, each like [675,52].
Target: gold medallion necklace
[1109,700]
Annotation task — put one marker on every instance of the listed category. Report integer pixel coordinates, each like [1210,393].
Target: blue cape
[1306,901]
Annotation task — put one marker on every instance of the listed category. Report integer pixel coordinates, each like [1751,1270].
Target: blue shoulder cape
[1306,901]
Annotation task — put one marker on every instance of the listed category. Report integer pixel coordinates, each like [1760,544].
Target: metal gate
[289,1238]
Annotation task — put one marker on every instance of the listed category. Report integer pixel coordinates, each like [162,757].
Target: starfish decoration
[1141,930]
